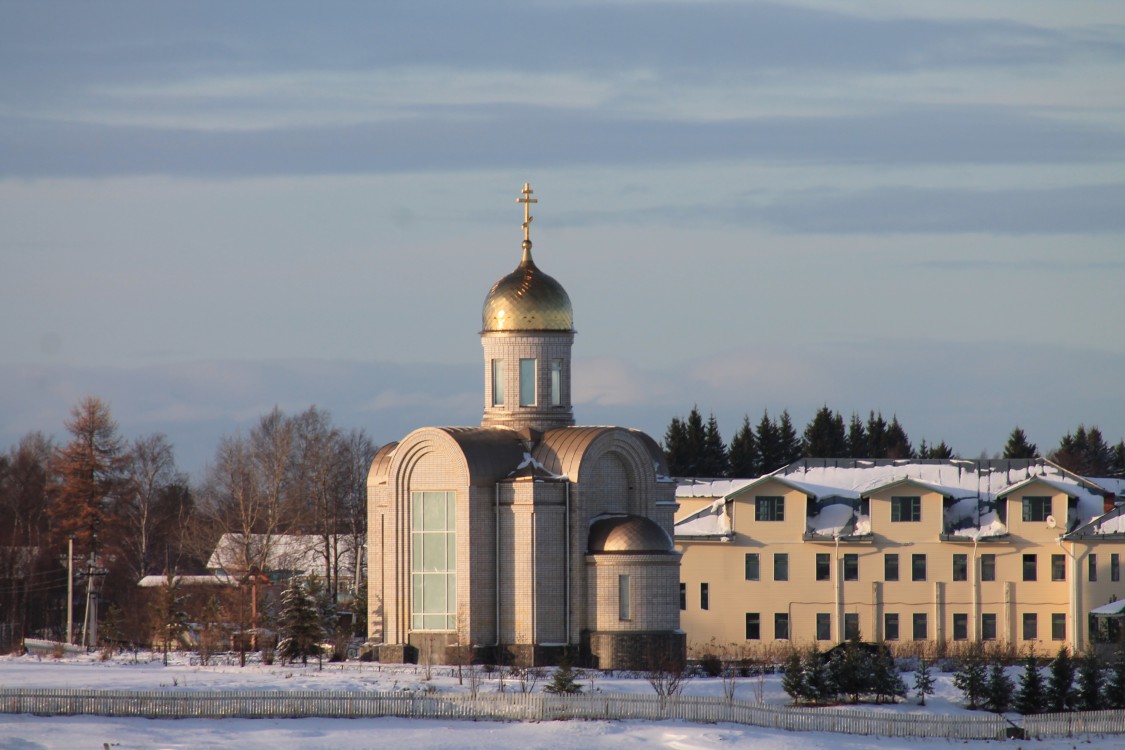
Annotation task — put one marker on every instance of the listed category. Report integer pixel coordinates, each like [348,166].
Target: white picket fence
[178,704]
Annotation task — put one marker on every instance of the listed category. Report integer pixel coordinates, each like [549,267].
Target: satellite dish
[1051,522]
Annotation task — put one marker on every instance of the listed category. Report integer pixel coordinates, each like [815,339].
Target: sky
[208,209]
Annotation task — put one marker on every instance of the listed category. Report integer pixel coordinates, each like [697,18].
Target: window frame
[753,626]
[918,566]
[919,626]
[1030,566]
[851,626]
[780,626]
[823,566]
[891,570]
[752,564]
[498,373]
[781,566]
[1058,568]
[1092,567]
[988,566]
[529,391]
[960,566]
[890,626]
[1058,626]
[823,626]
[960,626]
[906,509]
[1030,629]
[704,596]
[988,626]
[851,566]
[769,508]
[1036,508]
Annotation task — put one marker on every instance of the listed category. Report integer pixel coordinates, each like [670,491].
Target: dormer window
[769,508]
[1036,508]
[906,509]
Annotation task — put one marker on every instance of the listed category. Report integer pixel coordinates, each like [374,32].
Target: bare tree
[148,506]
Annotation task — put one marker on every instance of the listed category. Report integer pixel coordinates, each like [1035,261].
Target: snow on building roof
[712,522]
[293,553]
[1113,608]
[212,579]
[1112,522]
[972,488]
[835,520]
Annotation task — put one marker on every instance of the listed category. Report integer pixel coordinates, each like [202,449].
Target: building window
[527,382]
[823,626]
[851,567]
[988,627]
[1114,567]
[497,382]
[781,566]
[906,509]
[683,596]
[753,567]
[890,567]
[1058,567]
[960,626]
[1029,568]
[890,626]
[623,596]
[1058,626]
[433,537]
[781,626]
[704,596]
[1030,626]
[988,567]
[960,567]
[851,626]
[1093,568]
[920,626]
[753,626]
[917,567]
[1036,508]
[556,382]
[823,567]
[769,509]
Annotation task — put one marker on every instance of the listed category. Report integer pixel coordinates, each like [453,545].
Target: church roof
[628,534]
[527,300]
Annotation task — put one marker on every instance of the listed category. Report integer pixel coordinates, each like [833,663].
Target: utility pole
[70,591]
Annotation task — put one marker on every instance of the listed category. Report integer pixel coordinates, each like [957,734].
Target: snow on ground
[147,672]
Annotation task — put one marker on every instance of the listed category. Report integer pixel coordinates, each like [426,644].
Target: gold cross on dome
[527,200]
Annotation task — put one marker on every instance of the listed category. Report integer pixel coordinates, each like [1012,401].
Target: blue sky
[212,208]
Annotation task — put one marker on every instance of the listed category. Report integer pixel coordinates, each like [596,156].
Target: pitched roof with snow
[971,489]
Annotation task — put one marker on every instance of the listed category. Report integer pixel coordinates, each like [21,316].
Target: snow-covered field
[23,732]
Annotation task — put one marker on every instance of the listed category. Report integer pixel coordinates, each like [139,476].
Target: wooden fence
[180,704]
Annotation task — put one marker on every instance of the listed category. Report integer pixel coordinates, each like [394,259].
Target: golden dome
[628,534]
[527,300]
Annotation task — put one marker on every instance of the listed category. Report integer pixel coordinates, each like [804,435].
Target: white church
[527,536]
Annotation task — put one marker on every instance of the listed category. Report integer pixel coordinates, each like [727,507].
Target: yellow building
[1009,551]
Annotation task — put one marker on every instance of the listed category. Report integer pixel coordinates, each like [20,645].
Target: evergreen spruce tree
[885,680]
[1115,685]
[770,455]
[563,679]
[1090,682]
[1117,460]
[857,438]
[876,435]
[825,436]
[301,623]
[1030,697]
[939,451]
[1018,445]
[715,462]
[788,439]
[852,671]
[696,437]
[897,443]
[793,678]
[997,689]
[923,680]
[744,452]
[675,448]
[168,612]
[971,675]
[1084,452]
[1061,695]
[817,680]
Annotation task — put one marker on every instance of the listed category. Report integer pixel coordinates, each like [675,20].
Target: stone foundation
[635,650]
